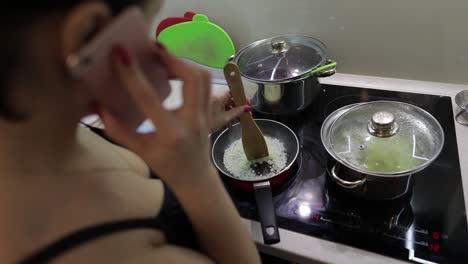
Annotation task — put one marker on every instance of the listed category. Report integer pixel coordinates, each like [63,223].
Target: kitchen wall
[409,39]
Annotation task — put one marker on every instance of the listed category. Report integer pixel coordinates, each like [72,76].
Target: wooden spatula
[253,140]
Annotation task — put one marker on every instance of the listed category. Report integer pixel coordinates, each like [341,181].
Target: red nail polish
[159,45]
[247,108]
[99,112]
[123,55]
[229,125]
[92,108]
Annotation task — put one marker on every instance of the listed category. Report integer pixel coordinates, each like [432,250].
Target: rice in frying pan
[237,164]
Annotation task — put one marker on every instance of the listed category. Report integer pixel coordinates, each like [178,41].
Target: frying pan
[262,185]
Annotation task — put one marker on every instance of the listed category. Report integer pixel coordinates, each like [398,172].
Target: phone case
[93,65]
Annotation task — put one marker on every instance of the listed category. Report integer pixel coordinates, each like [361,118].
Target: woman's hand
[222,110]
[179,150]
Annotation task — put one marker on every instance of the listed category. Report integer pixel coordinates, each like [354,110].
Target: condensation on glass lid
[240,167]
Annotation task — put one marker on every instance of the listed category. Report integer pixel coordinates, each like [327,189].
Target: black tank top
[171,220]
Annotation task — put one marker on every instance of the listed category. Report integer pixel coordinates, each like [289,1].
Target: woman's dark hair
[16,18]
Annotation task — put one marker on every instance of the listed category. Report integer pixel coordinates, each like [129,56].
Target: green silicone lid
[199,40]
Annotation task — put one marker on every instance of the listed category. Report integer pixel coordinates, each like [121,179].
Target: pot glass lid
[386,138]
[281,58]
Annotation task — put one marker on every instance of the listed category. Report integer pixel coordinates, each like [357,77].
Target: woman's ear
[81,24]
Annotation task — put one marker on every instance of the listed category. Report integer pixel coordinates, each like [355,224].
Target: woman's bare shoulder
[104,188]
[103,154]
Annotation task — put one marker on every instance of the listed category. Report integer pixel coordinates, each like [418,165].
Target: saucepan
[280,74]
[262,181]
[379,147]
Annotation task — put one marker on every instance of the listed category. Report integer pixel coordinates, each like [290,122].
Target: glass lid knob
[382,124]
[279,45]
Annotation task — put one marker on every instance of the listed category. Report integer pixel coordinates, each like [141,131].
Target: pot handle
[231,58]
[326,70]
[266,212]
[346,184]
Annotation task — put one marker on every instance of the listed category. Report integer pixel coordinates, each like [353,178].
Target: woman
[69,196]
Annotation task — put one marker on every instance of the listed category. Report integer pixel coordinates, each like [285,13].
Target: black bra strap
[82,236]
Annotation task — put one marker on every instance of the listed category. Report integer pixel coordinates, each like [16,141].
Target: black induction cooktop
[426,225]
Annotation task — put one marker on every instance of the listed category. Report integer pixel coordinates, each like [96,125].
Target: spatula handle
[254,143]
[233,77]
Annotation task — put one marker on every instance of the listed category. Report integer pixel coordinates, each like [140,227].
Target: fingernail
[159,45]
[238,119]
[98,111]
[94,108]
[229,125]
[247,108]
[123,55]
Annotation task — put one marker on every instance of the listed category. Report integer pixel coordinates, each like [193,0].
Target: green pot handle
[325,70]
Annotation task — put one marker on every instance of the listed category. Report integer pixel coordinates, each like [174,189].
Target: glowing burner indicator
[316,217]
[435,247]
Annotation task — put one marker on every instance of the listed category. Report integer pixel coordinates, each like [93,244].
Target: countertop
[304,249]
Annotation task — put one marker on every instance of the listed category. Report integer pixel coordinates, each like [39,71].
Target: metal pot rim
[263,179]
[297,78]
[331,119]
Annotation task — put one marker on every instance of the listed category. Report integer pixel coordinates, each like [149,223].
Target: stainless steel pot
[379,146]
[280,74]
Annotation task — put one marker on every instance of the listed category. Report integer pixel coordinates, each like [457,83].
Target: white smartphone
[93,65]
